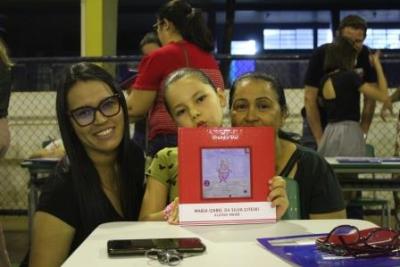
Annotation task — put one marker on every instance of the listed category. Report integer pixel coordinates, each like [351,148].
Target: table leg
[32,202]
[396,199]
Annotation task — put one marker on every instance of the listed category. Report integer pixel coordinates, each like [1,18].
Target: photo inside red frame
[221,165]
[226,173]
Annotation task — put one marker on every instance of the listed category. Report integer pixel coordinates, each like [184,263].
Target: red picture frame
[260,141]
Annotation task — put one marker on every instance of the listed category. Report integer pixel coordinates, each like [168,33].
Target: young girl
[193,101]
[258,100]
[340,90]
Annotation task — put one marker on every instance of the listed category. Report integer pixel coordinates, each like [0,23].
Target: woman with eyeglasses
[186,42]
[103,180]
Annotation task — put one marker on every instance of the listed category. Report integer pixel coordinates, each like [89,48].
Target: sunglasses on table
[86,115]
[348,240]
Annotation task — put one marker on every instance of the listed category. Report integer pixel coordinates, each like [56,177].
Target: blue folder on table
[301,250]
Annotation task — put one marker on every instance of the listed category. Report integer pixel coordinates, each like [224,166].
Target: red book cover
[225,164]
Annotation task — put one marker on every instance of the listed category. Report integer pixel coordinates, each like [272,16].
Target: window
[243,47]
[239,67]
[324,36]
[288,39]
[383,38]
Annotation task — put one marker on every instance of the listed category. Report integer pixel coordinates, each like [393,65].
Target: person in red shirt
[186,42]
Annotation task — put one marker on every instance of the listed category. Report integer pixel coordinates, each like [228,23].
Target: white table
[227,245]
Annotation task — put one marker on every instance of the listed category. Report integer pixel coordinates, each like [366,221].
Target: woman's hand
[277,195]
[171,212]
[374,58]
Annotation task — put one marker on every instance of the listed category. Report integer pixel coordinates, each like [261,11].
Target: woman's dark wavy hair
[189,22]
[85,178]
[340,54]
[275,85]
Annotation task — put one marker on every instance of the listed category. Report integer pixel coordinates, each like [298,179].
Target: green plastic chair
[370,150]
[292,190]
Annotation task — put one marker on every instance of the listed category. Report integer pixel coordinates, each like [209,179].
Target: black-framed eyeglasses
[348,240]
[86,115]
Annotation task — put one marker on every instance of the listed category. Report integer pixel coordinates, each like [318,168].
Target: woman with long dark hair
[340,89]
[186,42]
[103,179]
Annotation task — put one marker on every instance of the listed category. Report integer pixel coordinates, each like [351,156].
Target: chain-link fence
[32,110]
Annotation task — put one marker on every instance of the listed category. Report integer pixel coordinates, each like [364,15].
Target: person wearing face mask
[103,181]
[314,114]
[257,99]
[192,101]
[186,42]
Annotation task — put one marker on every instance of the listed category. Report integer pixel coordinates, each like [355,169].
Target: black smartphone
[125,247]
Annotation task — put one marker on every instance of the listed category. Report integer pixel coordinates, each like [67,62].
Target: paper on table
[301,250]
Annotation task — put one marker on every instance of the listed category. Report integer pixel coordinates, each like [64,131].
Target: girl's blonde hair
[4,54]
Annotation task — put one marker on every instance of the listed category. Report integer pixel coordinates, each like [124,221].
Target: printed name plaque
[224,173]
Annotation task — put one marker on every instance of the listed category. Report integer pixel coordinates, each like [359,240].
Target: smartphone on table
[126,247]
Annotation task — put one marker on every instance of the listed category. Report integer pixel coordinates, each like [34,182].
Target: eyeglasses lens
[86,115]
[382,238]
[83,116]
[110,106]
[344,234]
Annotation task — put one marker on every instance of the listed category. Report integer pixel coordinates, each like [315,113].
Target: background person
[148,44]
[186,42]
[5,91]
[387,107]
[340,93]
[193,101]
[257,99]
[104,178]
[314,115]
